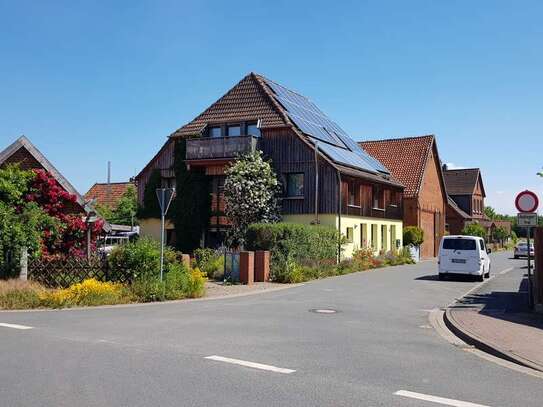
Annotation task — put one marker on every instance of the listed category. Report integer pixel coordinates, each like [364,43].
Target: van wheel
[515,257]
[481,277]
[441,277]
[487,275]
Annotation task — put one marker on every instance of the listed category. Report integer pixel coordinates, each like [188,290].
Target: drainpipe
[339,217]
[316,182]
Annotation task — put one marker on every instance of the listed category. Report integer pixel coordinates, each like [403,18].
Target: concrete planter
[414,251]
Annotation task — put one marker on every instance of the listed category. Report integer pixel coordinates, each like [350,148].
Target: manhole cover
[323,311]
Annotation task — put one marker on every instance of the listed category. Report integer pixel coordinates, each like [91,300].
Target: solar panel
[313,122]
[346,157]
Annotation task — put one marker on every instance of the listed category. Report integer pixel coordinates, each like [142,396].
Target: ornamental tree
[251,192]
[68,236]
[37,213]
[474,229]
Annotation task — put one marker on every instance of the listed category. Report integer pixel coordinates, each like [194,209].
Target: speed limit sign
[527,202]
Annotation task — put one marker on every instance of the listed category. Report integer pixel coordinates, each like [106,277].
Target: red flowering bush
[68,236]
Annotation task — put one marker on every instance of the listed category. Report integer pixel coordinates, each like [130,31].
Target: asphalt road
[378,343]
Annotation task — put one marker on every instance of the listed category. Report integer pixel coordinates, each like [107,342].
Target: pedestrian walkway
[497,319]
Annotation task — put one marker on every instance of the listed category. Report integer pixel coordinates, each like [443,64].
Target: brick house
[354,192]
[414,161]
[466,190]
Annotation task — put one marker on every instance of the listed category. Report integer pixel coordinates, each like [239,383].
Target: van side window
[482,244]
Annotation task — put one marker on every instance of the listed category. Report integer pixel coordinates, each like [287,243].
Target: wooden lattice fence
[67,271]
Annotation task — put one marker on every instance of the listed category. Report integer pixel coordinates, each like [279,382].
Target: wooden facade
[324,184]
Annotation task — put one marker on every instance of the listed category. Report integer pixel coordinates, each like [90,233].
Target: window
[393,237]
[253,130]
[482,242]
[394,198]
[384,238]
[378,197]
[295,184]
[350,234]
[354,194]
[234,131]
[363,235]
[214,132]
[374,237]
[459,244]
[167,182]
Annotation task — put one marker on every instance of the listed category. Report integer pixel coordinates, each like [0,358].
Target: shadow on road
[458,277]
[509,306]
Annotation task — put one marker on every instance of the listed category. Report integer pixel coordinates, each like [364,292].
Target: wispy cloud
[453,166]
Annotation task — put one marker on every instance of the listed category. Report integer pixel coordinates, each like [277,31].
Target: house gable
[246,101]
[25,154]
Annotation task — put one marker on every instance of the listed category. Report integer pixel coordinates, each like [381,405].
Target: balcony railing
[221,147]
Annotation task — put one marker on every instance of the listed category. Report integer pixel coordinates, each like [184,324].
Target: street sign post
[527,203]
[165,196]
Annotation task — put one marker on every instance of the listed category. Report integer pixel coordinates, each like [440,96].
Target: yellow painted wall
[357,224]
[151,227]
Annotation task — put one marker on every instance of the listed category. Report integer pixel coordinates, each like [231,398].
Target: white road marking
[507,270]
[250,364]
[438,400]
[14,326]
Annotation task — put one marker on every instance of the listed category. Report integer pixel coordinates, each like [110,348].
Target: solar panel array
[333,141]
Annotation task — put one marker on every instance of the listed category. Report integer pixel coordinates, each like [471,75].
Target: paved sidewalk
[496,318]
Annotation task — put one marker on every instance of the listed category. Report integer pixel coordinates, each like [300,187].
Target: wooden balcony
[219,148]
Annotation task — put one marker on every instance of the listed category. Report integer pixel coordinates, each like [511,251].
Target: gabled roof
[24,143]
[462,181]
[108,194]
[453,205]
[406,158]
[247,100]
[258,98]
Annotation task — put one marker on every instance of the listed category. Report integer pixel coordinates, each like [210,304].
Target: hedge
[293,243]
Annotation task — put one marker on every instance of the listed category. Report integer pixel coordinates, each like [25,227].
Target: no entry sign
[526,202]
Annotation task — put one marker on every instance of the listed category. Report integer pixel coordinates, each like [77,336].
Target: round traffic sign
[527,201]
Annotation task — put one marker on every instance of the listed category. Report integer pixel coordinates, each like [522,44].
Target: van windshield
[459,244]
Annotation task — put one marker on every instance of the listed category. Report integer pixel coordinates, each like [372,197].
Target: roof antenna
[108,182]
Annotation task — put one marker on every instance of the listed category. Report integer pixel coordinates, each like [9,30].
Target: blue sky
[89,82]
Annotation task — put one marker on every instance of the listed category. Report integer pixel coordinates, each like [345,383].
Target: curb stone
[473,339]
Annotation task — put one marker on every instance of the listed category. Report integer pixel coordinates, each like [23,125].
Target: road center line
[438,400]
[507,270]
[14,326]
[250,364]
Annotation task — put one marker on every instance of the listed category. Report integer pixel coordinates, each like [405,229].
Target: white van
[464,255]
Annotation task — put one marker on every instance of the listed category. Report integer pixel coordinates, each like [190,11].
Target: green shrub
[176,281]
[413,235]
[141,257]
[306,245]
[148,289]
[211,262]
[474,229]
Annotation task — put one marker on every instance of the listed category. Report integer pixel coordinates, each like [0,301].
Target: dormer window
[215,132]
[253,130]
[234,131]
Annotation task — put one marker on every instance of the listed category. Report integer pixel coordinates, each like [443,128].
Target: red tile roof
[405,158]
[108,195]
[246,101]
